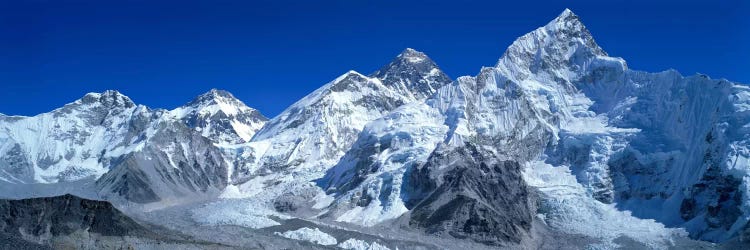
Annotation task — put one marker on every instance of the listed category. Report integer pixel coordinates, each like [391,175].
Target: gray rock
[468,192]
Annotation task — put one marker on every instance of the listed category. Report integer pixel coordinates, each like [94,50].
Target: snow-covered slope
[69,143]
[296,147]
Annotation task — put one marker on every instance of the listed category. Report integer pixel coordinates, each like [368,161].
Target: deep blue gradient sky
[271,53]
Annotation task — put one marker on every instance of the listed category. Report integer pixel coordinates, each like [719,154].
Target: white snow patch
[235,212]
[312,235]
[357,244]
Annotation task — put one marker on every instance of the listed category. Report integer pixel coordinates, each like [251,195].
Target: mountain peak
[107,98]
[214,101]
[412,73]
[568,26]
[215,96]
[412,56]
[562,42]
[566,13]
[218,93]
[221,117]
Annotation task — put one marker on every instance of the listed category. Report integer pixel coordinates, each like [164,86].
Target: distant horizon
[269,55]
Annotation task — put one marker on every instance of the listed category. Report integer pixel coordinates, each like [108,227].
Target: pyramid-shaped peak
[560,39]
[566,13]
[214,96]
[568,27]
[408,58]
[566,20]
[412,73]
[412,56]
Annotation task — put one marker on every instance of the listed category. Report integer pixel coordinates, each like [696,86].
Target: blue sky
[271,53]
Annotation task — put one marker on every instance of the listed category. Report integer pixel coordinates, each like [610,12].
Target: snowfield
[312,235]
[355,244]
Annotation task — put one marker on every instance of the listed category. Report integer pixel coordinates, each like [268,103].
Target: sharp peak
[411,52]
[214,96]
[348,74]
[410,55]
[566,13]
[566,17]
[562,30]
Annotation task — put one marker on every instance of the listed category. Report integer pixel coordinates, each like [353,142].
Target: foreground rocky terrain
[557,146]
[69,222]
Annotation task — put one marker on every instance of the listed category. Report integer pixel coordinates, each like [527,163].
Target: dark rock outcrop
[38,220]
[468,192]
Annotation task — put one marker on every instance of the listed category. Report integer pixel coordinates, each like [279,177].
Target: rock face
[468,193]
[39,220]
[175,163]
[70,222]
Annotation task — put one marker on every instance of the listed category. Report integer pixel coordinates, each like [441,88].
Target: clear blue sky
[271,53]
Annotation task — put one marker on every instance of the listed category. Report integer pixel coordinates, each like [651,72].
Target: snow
[62,145]
[312,235]
[235,212]
[412,133]
[356,244]
[567,206]
[243,121]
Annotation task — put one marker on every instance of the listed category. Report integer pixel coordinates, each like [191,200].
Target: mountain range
[558,145]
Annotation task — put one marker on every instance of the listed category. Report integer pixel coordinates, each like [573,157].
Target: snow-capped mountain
[69,143]
[558,136]
[663,146]
[313,133]
[221,117]
[105,146]
[413,74]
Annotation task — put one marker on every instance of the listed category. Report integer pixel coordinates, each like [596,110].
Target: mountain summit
[412,73]
[217,114]
[561,50]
